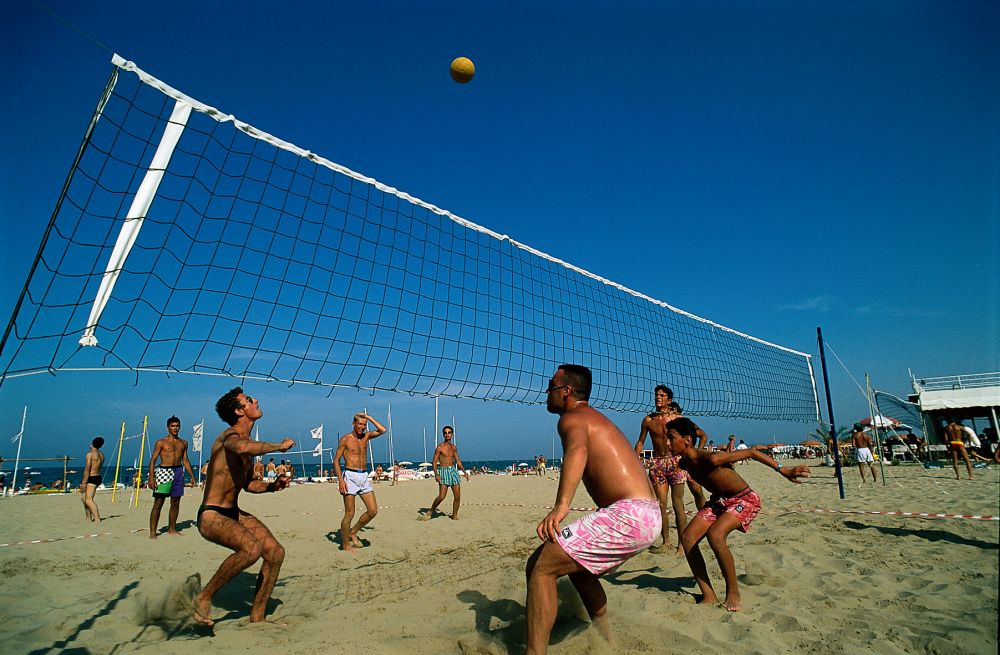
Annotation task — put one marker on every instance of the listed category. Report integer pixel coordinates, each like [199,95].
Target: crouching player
[733,505]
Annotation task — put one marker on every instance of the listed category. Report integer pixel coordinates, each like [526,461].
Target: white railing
[973,381]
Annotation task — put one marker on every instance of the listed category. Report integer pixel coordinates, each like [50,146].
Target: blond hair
[360,416]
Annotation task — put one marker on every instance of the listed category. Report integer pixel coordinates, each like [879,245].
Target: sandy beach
[812,582]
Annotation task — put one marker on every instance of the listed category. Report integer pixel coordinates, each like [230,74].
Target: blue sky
[772,166]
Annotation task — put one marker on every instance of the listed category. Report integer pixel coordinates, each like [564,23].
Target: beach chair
[900,453]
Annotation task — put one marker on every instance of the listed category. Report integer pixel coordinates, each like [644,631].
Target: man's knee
[253,551]
[372,513]
[275,554]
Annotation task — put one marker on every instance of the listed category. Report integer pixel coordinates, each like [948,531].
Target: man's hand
[286,443]
[793,474]
[548,529]
[342,486]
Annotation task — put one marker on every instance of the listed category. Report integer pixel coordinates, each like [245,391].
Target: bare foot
[267,622]
[153,535]
[203,612]
[454,517]
[662,548]
[175,533]
[733,603]
[680,551]
[355,541]
[709,599]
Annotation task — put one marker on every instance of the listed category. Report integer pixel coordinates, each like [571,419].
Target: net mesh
[257,259]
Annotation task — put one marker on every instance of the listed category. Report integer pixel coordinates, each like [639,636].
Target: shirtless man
[955,434]
[92,478]
[258,468]
[167,479]
[353,479]
[220,519]
[734,505]
[863,452]
[446,463]
[667,477]
[628,521]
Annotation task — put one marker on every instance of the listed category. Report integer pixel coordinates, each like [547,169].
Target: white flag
[317,433]
[196,440]
[318,450]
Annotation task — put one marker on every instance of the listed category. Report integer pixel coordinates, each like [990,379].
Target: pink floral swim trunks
[612,535]
[745,506]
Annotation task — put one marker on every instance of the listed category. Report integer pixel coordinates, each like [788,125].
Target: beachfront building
[972,399]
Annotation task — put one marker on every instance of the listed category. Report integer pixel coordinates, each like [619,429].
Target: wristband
[779,466]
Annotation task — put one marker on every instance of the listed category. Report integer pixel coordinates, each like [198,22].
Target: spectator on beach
[167,478]
[258,468]
[446,463]
[92,479]
[863,453]
[733,505]
[955,433]
[731,445]
[395,473]
[740,446]
[220,519]
[379,472]
[626,523]
[353,479]
[272,470]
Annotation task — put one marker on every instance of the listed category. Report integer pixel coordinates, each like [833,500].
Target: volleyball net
[187,241]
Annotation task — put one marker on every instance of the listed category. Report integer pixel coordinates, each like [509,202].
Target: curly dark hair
[226,406]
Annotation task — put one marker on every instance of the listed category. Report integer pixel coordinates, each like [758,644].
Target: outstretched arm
[790,473]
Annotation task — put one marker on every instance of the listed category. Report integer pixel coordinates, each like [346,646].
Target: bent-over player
[733,505]
[626,523]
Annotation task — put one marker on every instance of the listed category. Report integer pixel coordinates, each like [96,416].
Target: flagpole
[388,446]
[118,463]
[17,459]
[371,455]
[435,424]
[142,450]
[201,449]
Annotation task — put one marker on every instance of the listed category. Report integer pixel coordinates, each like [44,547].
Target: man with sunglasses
[627,522]
[220,519]
[446,463]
